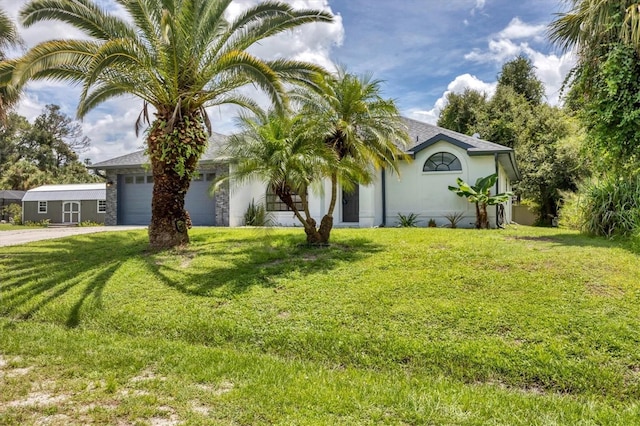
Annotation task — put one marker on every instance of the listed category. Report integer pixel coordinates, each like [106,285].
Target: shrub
[15,213]
[610,207]
[408,221]
[454,218]
[257,215]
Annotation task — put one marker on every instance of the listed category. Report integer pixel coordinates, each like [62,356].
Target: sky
[421,50]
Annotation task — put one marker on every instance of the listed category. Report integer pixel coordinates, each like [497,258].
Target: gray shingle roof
[425,134]
[138,158]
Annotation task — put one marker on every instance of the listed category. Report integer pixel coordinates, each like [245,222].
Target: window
[102,206]
[140,179]
[275,204]
[128,179]
[442,162]
[149,179]
[42,206]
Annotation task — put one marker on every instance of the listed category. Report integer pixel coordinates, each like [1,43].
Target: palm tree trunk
[326,224]
[172,167]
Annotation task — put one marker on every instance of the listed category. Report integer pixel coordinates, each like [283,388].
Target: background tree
[463,112]
[516,117]
[519,74]
[179,57]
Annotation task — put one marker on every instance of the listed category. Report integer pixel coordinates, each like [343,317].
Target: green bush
[407,221]
[15,213]
[608,207]
[257,215]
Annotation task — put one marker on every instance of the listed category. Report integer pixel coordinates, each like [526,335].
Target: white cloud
[458,85]
[518,30]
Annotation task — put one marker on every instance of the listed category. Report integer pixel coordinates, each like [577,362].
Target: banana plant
[480,194]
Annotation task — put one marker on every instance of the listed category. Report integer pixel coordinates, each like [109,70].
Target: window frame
[274,204]
[46,207]
[104,203]
[441,162]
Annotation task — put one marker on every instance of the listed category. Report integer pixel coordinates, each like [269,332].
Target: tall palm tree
[591,25]
[364,131]
[276,148]
[179,57]
[9,38]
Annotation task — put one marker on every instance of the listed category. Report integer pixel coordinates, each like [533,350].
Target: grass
[12,227]
[391,326]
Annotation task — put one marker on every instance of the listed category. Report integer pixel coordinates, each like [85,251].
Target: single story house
[439,157]
[8,197]
[69,204]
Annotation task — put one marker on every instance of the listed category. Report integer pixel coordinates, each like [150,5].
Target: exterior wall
[88,212]
[504,185]
[221,196]
[426,193]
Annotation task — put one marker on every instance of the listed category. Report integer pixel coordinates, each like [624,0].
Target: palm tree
[179,57]
[592,25]
[8,38]
[364,131]
[275,148]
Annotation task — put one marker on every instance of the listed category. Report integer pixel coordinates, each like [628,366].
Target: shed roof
[10,194]
[72,192]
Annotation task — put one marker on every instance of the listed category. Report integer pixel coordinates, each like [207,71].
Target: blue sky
[421,49]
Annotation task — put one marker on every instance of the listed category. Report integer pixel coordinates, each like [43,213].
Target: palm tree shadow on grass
[245,263]
[37,274]
[76,271]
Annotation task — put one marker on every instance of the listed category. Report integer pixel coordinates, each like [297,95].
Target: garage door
[134,200]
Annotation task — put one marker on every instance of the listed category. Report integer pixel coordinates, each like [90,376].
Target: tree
[363,130]
[519,74]
[463,112]
[11,133]
[54,140]
[8,38]
[480,195]
[179,57]
[277,149]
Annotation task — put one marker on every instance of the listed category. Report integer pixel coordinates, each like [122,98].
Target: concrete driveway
[12,238]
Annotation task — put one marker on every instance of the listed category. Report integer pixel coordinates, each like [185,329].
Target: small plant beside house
[454,219]
[257,215]
[480,195]
[408,221]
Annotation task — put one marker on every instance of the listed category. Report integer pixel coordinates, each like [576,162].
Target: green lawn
[394,326]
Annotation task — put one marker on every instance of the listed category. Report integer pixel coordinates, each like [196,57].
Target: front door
[351,205]
[71,212]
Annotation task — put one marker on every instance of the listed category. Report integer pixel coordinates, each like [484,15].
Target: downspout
[384,198]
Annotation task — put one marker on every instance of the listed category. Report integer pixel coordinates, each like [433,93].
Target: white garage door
[134,200]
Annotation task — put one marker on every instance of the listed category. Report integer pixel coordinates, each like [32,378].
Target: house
[70,204]
[439,157]
[8,197]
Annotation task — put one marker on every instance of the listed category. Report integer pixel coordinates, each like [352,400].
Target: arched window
[442,162]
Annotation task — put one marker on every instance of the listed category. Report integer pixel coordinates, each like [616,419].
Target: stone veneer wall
[221,196]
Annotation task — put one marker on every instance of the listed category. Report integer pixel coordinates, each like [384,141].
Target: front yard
[396,326]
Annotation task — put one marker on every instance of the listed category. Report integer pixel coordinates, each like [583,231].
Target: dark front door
[351,205]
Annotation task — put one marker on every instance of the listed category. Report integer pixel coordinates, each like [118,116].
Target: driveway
[12,238]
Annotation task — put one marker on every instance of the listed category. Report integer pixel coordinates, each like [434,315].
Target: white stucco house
[439,156]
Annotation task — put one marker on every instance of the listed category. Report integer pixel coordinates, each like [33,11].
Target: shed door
[71,212]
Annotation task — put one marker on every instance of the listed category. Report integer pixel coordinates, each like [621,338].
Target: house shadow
[76,271]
